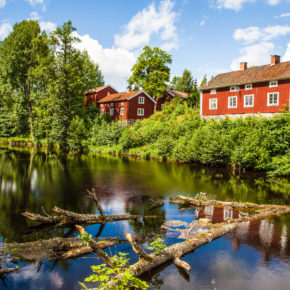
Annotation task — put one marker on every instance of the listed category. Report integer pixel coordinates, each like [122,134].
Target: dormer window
[273,84]
[212,92]
[141,100]
[234,88]
[248,87]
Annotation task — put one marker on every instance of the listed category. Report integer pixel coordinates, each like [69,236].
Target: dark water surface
[255,256]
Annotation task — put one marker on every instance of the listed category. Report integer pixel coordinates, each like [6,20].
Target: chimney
[275,59]
[243,65]
[129,89]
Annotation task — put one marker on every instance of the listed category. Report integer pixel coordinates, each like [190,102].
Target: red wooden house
[263,89]
[169,94]
[128,106]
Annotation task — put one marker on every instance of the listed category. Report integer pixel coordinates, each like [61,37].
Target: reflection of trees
[146,226]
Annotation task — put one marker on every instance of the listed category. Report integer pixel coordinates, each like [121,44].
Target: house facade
[261,90]
[169,94]
[127,106]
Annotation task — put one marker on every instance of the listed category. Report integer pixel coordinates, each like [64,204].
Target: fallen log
[8,270]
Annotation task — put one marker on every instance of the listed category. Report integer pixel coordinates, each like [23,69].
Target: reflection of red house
[262,89]
[168,96]
[216,214]
[127,106]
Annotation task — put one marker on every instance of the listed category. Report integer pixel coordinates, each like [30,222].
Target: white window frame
[273,84]
[102,111]
[112,104]
[213,103]
[122,104]
[230,99]
[140,112]
[268,99]
[248,87]
[122,111]
[112,112]
[102,105]
[213,92]
[141,100]
[234,88]
[245,99]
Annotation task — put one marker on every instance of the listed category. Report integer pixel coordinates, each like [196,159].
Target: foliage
[85,237]
[184,83]
[115,278]
[157,246]
[151,71]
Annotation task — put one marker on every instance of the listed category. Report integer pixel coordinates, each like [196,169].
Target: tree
[204,81]
[151,71]
[183,83]
[20,55]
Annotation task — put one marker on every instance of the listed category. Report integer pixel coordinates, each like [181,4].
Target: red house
[263,89]
[128,106]
[169,94]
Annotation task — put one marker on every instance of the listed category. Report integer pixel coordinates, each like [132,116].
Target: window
[249,101]
[248,87]
[102,105]
[122,110]
[122,104]
[212,92]
[112,104]
[140,112]
[232,102]
[112,112]
[273,99]
[234,89]
[213,104]
[273,84]
[102,111]
[141,100]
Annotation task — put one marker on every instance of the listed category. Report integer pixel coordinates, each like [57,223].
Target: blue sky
[204,36]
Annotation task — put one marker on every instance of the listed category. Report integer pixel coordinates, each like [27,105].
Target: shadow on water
[30,179]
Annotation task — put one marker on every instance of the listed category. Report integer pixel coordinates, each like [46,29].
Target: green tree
[151,72]
[204,81]
[184,83]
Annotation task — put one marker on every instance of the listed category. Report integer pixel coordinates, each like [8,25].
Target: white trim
[248,106]
[122,111]
[213,92]
[141,100]
[112,112]
[232,97]
[102,111]
[168,91]
[248,89]
[141,93]
[234,89]
[200,103]
[142,113]
[273,84]
[268,98]
[209,103]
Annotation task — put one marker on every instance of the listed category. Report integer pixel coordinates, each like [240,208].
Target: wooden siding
[259,90]
[93,98]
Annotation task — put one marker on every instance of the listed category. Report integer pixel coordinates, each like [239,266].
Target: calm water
[255,256]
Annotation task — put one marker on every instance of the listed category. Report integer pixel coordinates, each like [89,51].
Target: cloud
[115,63]
[2,3]
[203,21]
[256,54]
[273,2]
[148,22]
[36,3]
[236,5]
[34,15]
[283,15]
[5,29]
[253,33]
[286,56]
[47,26]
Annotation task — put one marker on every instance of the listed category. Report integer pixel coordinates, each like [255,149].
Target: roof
[97,89]
[177,93]
[250,75]
[122,97]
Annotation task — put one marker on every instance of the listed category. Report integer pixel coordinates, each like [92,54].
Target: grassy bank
[178,133]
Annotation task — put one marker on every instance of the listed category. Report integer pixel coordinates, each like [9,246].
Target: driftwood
[8,270]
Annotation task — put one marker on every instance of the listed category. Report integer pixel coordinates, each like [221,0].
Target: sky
[204,36]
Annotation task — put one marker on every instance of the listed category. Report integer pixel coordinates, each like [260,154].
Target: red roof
[118,97]
[250,75]
[177,93]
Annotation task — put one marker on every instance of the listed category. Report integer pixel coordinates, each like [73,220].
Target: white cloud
[286,56]
[36,3]
[34,15]
[150,21]
[257,54]
[115,63]
[203,21]
[2,3]
[5,29]
[273,2]
[253,33]
[47,26]
[232,4]
[283,15]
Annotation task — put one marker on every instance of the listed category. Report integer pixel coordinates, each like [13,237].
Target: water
[256,256]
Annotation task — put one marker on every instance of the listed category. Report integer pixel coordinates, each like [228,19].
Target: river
[255,256]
